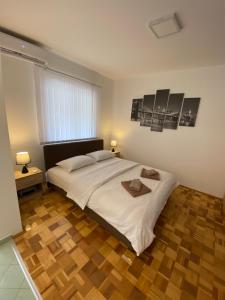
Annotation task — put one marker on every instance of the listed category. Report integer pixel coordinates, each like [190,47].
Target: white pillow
[76,162]
[101,154]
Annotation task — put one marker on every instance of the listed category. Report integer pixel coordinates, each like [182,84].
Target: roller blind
[67,109]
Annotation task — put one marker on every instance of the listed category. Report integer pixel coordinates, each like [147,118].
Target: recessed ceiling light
[165,26]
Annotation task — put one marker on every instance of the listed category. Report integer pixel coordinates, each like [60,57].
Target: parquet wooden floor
[70,256]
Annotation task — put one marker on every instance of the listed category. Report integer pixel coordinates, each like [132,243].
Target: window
[67,108]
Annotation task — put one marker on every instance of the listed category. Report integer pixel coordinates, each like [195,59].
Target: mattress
[99,187]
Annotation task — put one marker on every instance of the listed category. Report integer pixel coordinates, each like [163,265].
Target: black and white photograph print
[158,117]
[189,112]
[147,110]
[136,109]
[157,122]
[173,111]
[161,100]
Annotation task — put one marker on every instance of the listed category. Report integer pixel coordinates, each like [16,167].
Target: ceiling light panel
[165,26]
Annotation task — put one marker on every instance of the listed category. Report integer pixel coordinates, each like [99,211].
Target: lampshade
[113,143]
[22,158]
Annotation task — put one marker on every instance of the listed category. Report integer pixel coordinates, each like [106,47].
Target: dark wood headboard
[54,153]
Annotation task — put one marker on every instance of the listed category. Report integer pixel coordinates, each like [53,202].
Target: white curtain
[67,108]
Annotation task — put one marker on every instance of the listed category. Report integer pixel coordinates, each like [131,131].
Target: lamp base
[25,170]
[113,149]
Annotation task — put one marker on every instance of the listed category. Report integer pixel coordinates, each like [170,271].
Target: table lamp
[113,145]
[23,158]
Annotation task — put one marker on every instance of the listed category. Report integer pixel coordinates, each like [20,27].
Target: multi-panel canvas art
[189,112]
[165,110]
[173,111]
[158,117]
[136,109]
[147,110]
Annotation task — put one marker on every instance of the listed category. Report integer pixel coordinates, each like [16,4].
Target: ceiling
[112,37]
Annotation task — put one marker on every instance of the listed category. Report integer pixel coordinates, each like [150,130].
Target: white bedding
[99,187]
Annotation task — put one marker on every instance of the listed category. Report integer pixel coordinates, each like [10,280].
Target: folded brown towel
[135,185]
[150,174]
[143,190]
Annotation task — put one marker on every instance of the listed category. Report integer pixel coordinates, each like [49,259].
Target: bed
[97,189]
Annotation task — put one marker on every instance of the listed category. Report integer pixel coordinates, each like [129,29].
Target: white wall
[196,155]
[20,100]
[18,79]
[9,210]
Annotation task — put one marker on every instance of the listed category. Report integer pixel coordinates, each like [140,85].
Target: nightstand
[33,180]
[117,153]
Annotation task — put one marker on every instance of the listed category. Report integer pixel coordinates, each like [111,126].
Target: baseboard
[207,194]
[5,240]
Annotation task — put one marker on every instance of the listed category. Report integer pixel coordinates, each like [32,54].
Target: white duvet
[99,187]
